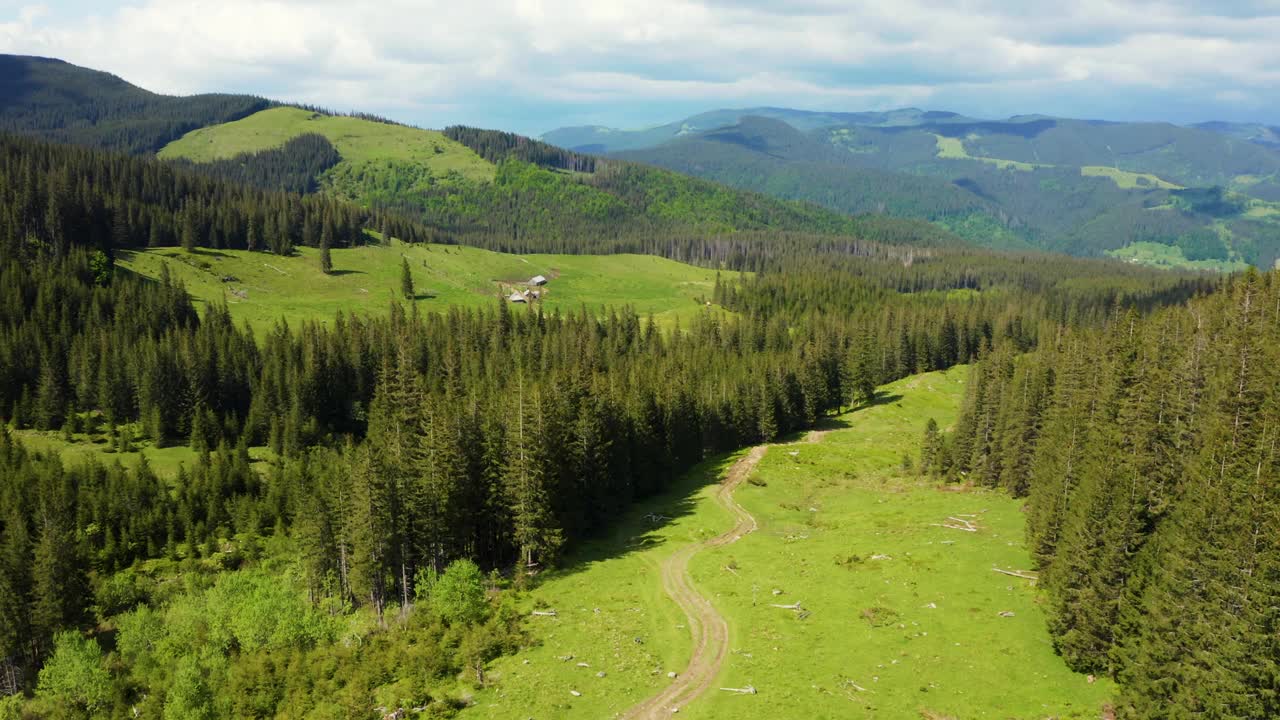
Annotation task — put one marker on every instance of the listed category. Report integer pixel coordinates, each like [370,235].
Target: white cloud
[419,59]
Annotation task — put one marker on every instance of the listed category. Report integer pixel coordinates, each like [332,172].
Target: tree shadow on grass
[203,252]
[340,273]
[638,528]
[880,399]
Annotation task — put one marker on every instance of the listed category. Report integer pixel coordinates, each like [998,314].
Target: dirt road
[709,629]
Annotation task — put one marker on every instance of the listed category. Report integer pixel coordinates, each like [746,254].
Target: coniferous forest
[370,495]
[1146,447]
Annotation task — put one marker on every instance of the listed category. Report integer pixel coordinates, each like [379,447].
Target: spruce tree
[326,240]
[406,280]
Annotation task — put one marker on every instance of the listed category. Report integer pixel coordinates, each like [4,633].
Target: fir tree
[326,240]
[406,280]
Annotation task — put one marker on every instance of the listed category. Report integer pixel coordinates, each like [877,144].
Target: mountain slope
[66,103]
[769,156]
[504,192]
[484,188]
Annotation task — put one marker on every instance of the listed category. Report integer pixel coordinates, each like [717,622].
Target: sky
[532,65]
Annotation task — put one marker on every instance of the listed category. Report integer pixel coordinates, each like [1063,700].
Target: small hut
[517,296]
[538,280]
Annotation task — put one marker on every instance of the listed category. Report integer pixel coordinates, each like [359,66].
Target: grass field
[905,616]
[1126,180]
[1263,209]
[367,279]
[1171,257]
[164,461]
[953,149]
[357,141]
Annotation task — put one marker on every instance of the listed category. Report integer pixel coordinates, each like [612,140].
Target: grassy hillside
[1171,257]
[358,140]
[367,280]
[906,618]
[499,192]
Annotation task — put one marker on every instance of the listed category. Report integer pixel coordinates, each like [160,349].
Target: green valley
[899,615]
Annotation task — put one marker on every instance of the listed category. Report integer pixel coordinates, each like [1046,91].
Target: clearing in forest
[852,598]
[263,288]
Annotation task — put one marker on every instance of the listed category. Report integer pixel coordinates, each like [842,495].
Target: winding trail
[709,629]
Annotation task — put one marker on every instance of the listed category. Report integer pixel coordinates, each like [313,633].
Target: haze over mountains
[1077,186]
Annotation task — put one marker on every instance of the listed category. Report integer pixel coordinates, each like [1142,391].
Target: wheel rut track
[709,629]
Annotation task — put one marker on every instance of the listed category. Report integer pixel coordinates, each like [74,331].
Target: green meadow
[1170,257]
[358,141]
[1126,180]
[266,288]
[82,448]
[950,148]
[900,616]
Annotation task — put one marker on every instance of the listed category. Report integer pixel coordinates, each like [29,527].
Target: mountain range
[1207,195]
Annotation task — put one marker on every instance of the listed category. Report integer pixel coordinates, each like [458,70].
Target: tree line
[496,146]
[59,196]
[294,167]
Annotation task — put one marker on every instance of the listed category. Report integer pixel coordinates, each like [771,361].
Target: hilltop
[59,101]
[359,141]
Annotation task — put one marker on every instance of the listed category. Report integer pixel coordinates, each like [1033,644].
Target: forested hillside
[1081,187]
[487,188]
[59,101]
[505,192]
[1147,451]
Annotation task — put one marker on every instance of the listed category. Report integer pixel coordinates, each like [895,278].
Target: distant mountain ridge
[605,139]
[1205,196]
[1085,187]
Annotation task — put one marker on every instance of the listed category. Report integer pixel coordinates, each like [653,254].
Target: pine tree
[931,448]
[15,587]
[406,280]
[190,231]
[534,528]
[51,398]
[57,579]
[326,241]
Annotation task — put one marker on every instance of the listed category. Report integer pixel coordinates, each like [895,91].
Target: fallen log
[748,690]
[955,527]
[794,606]
[544,613]
[1017,574]
[855,686]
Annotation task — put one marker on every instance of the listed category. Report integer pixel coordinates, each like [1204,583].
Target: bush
[74,679]
[459,594]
